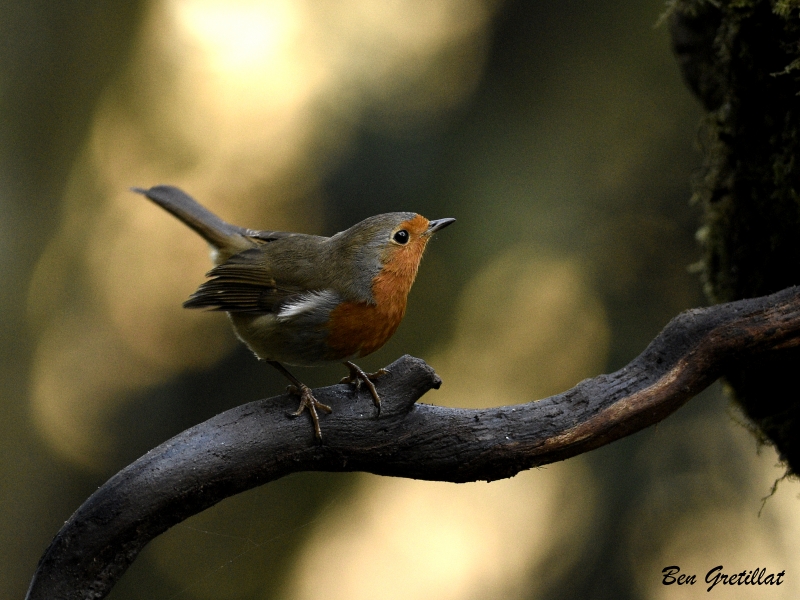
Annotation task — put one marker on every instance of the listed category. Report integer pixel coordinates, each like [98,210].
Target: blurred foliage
[557,133]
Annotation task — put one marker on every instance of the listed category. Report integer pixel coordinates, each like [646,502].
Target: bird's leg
[307,399]
[357,376]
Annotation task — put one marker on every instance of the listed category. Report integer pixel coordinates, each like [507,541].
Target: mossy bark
[742,59]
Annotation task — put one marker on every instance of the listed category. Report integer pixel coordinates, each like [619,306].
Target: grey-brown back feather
[243,284]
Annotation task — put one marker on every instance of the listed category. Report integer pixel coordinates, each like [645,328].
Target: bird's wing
[270,236]
[244,284]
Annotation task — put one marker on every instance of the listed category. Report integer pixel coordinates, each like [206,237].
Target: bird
[306,300]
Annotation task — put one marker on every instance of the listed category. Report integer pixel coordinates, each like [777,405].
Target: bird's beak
[434,226]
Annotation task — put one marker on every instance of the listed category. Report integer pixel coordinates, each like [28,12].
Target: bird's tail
[223,236]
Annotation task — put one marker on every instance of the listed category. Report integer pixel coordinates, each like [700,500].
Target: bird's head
[396,240]
[390,245]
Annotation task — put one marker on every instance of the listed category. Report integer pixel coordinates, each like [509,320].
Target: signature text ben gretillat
[716,576]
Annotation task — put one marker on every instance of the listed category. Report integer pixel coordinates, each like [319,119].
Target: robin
[304,299]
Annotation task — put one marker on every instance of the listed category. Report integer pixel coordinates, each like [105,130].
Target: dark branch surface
[256,443]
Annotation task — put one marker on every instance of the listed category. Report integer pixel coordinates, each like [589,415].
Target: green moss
[784,8]
[750,183]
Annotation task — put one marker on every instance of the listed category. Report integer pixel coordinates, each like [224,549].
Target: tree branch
[256,443]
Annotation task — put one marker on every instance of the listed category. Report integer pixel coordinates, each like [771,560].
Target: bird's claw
[357,376]
[308,401]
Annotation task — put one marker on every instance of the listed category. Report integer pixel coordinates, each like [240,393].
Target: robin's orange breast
[360,328]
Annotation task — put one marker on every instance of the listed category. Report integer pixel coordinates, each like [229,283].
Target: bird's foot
[308,401]
[358,376]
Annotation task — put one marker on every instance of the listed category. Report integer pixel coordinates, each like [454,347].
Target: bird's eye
[401,237]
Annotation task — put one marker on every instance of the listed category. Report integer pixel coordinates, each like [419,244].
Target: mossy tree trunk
[742,59]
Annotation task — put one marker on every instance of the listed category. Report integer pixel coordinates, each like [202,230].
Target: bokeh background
[557,132]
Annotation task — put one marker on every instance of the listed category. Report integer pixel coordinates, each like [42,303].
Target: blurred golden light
[413,539]
[736,540]
[242,37]
[735,531]
[91,358]
[529,325]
